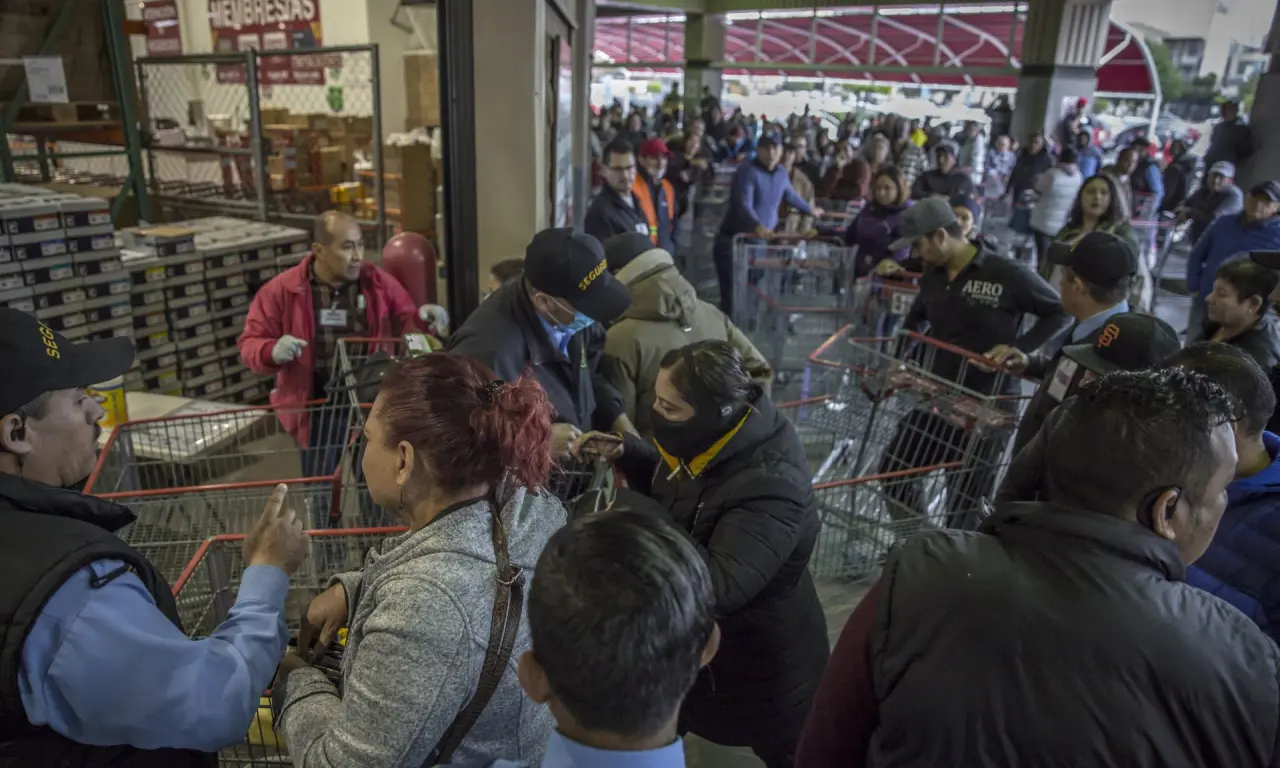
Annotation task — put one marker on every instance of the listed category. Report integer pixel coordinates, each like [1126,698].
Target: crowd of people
[1122,583]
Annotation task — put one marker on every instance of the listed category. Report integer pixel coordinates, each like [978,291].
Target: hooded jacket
[419,618]
[872,232]
[1204,207]
[1228,237]
[1242,565]
[665,314]
[1179,176]
[1261,341]
[748,504]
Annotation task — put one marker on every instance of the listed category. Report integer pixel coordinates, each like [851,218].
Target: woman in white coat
[1058,188]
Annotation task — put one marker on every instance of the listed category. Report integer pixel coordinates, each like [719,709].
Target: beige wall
[511,162]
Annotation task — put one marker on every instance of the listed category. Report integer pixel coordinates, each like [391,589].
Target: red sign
[241,25]
[164,33]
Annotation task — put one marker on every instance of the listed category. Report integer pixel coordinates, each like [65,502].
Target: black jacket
[948,185]
[1179,177]
[1026,169]
[1061,637]
[1045,365]
[50,534]
[753,515]
[609,214]
[1261,342]
[506,334]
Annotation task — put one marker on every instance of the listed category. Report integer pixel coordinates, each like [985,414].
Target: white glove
[287,349]
[436,317]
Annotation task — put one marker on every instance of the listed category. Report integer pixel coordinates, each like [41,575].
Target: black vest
[48,535]
[1063,637]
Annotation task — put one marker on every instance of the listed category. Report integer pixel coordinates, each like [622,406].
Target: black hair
[1250,279]
[508,270]
[620,613]
[618,146]
[1238,373]
[1117,210]
[1083,139]
[1140,143]
[1131,433]
[1068,155]
[716,374]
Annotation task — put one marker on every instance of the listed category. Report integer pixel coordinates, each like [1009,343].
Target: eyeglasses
[623,169]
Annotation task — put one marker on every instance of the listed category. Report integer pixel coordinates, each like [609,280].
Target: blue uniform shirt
[105,667]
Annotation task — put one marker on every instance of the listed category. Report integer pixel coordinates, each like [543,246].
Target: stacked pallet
[192,284]
[59,261]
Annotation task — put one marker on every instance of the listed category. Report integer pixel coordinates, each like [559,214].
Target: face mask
[580,322]
[686,440]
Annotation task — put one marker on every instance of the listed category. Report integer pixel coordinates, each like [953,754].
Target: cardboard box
[409,185]
[342,127]
[422,89]
[273,115]
[331,165]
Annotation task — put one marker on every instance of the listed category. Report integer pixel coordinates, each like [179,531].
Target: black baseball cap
[1130,341]
[1267,189]
[42,360]
[571,266]
[1098,258]
[623,248]
[1268,259]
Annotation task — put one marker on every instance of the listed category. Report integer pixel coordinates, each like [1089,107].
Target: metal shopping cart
[904,434]
[172,523]
[205,591]
[791,295]
[881,302]
[209,443]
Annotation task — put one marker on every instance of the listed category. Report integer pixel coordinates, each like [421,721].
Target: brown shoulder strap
[508,606]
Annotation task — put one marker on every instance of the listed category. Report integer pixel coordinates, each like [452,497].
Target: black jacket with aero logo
[983,307]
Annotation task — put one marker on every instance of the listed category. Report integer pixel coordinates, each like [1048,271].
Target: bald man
[295,322]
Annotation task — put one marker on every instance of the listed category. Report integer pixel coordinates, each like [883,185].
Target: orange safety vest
[641,190]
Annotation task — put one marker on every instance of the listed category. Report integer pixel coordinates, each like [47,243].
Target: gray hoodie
[419,626]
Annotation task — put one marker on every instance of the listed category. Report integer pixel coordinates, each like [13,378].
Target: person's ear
[533,680]
[14,435]
[406,454]
[1253,304]
[712,647]
[1163,511]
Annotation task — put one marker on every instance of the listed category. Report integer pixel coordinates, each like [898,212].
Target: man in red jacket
[296,320]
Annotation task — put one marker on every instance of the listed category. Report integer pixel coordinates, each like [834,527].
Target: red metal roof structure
[966,45]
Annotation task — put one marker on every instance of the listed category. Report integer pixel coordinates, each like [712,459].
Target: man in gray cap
[1218,196]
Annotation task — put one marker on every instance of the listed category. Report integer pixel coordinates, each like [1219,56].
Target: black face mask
[686,440]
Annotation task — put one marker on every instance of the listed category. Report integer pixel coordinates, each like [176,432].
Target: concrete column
[1062,43]
[704,36]
[1264,119]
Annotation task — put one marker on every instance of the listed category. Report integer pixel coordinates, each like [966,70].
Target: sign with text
[164,32]
[241,25]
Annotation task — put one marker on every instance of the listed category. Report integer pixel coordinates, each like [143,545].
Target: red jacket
[284,306]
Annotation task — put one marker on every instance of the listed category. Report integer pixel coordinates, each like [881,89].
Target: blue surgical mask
[580,322]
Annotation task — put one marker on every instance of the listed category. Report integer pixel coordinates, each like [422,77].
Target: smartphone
[599,442]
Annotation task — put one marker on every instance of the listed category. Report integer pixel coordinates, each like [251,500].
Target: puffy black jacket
[1061,637]
[505,334]
[752,513]
[50,534]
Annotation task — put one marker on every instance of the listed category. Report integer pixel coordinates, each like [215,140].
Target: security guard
[553,321]
[1098,271]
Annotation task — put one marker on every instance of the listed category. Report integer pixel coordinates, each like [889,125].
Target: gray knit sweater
[420,616]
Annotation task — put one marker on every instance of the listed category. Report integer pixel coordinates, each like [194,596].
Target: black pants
[722,255]
[1042,242]
[924,439]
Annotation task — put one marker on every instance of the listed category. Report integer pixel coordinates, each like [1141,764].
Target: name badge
[642,228]
[1063,375]
[333,318]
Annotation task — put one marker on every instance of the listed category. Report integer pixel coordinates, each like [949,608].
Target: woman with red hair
[436,615]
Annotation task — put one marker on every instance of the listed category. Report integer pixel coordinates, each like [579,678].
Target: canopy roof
[974,45]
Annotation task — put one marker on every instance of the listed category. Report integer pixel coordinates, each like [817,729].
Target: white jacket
[1058,188]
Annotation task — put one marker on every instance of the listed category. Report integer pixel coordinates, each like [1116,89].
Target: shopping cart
[172,523]
[360,364]
[930,415]
[881,302]
[1155,237]
[208,443]
[205,591]
[791,295]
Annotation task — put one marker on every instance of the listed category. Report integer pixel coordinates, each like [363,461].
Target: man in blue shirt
[95,667]
[759,187]
[1257,228]
[1242,565]
[622,620]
